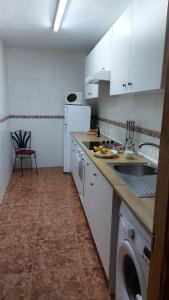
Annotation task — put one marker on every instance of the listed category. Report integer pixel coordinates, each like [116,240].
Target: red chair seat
[25,151]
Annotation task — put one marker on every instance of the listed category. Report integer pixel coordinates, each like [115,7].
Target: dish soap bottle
[98,132]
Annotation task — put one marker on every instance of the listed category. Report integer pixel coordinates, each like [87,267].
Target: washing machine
[133,258]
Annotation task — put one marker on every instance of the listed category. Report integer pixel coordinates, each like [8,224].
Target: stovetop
[107,143]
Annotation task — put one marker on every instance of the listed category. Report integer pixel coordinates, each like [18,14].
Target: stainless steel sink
[135,169]
[141,177]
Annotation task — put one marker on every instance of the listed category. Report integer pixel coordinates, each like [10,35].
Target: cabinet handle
[103,68]
[129,83]
[124,85]
[91,183]
[94,174]
[89,93]
[87,164]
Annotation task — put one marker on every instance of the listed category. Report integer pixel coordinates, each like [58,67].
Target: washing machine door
[130,282]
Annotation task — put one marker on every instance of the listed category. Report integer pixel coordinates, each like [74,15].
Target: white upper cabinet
[97,66]
[120,56]
[138,46]
[99,58]
[147,46]
[91,91]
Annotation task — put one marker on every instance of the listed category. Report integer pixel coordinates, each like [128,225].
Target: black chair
[22,144]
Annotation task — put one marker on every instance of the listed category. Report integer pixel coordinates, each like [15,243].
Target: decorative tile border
[145,131]
[36,117]
[4,119]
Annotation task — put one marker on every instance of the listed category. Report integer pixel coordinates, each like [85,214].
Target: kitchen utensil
[133,129]
[129,130]
[126,132]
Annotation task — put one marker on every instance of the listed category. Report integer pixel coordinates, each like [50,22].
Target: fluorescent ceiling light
[59,14]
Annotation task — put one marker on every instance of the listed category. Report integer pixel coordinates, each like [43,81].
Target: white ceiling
[28,23]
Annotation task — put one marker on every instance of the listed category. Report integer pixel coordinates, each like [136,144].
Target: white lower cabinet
[97,202]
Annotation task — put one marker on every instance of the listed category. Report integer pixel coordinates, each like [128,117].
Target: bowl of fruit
[104,152]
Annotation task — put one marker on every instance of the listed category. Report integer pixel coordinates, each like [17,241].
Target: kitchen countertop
[143,208]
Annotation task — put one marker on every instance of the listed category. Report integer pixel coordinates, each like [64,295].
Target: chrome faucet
[149,144]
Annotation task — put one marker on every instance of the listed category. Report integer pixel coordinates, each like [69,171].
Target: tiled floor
[46,250]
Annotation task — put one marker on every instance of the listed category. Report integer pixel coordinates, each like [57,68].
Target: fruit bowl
[109,154]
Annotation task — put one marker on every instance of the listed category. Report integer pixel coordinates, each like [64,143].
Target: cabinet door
[103,200]
[148,37]
[98,197]
[99,58]
[103,52]
[89,193]
[120,53]
[91,91]
[72,155]
[90,64]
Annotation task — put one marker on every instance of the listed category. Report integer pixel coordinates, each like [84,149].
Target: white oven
[80,172]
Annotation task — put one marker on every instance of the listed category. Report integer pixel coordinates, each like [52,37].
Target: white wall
[5,146]
[38,81]
[145,108]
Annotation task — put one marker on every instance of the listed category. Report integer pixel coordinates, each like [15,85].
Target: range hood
[98,76]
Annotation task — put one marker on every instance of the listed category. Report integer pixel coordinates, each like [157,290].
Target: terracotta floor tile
[16,257]
[82,227]
[96,284]
[54,222]
[44,229]
[16,233]
[23,199]
[2,210]
[51,198]
[47,199]
[85,239]
[23,189]
[59,209]
[88,255]
[14,286]
[52,232]
[79,218]
[61,285]
[76,205]
[55,254]
[21,215]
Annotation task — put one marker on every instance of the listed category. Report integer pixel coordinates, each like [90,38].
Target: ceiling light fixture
[59,14]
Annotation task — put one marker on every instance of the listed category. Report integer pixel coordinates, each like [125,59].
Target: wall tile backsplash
[36,117]
[145,109]
[145,131]
[118,133]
